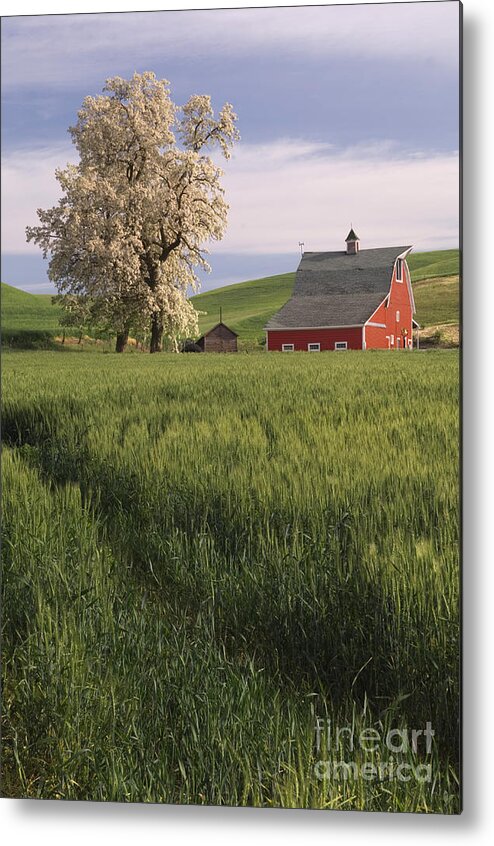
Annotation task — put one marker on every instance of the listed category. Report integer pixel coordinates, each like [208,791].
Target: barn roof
[337,289]
[352,236]
[216,326]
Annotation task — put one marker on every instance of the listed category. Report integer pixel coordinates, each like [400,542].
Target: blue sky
[348,114]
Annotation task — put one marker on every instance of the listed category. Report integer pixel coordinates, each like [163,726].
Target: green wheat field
[206,557]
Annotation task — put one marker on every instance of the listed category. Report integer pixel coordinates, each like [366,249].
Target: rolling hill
[434,264]
[23,312]
[246,306]
[437,300]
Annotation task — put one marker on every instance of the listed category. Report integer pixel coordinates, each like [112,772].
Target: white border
[58,823]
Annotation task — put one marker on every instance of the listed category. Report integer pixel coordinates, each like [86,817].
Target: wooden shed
[219,339]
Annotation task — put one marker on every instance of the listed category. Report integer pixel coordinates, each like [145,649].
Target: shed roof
[337,289]
[216,326]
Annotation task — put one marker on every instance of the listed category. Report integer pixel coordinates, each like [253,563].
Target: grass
[29,321]
[27,312]
[247,306]
[437,301]
[433,264]
[199,562]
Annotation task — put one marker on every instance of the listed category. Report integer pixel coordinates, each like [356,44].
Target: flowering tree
[139,208]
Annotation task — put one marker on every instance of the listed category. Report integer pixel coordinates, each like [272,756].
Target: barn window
[397,316]
[314,347]
[287,347]
[341,345]
[399,270]
[391,339]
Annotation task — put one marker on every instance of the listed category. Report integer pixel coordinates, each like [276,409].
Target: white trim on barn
[408,278]
[409,286]
[368,322]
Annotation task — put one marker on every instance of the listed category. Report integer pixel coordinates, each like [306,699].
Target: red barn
[354,299]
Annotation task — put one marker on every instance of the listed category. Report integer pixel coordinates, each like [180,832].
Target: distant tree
[75,313]
[139,208]
[82,313]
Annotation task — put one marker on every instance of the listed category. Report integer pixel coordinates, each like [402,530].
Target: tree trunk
[156,334]
[122,338]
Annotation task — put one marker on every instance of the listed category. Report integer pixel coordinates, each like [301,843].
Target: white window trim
[340,345]
[399,264]
[288,347]
[314,344]
[397,316]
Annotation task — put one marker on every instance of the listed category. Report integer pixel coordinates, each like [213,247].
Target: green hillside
[23,312]
[434,264]
[437,301]
[247,306]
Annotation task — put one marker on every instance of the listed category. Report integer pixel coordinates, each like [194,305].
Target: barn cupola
[352,243]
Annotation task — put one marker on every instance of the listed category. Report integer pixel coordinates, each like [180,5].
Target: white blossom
[137,211]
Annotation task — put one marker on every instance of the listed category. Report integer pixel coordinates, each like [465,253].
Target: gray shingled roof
[336,289]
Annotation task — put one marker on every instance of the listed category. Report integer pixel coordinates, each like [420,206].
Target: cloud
[59,51]
[28,183]
[288,191]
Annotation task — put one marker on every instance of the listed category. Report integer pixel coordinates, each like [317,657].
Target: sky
[348,115]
